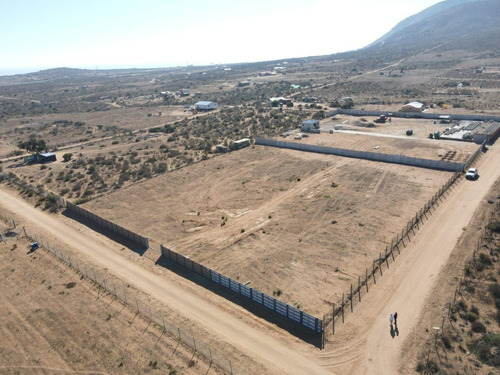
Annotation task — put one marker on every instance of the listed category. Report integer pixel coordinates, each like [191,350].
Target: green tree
[33,145]
[67,156]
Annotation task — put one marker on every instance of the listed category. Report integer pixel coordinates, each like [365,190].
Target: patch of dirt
[303,223]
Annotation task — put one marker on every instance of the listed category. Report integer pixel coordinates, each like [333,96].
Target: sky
[103,34]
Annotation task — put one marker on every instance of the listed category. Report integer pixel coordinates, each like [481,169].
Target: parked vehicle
[471,174]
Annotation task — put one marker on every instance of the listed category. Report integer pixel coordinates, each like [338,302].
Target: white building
[311,126]
[413,107]
[205,106]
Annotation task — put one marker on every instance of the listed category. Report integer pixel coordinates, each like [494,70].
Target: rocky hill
[456,24]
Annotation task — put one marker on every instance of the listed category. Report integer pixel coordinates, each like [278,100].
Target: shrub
[478,327]
[495,227]
[446,342]
[485,259]
[67,156]
[429,367]
[472,317]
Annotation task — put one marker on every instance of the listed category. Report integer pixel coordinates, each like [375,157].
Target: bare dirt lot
[69,128]
[55,322]
[300,226]
[389,138]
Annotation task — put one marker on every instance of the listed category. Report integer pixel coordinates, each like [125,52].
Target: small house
[184,92]
[241,143]
[281,100]
[205,106]
[445,119]
[45,158]
[413,107]
[311,126]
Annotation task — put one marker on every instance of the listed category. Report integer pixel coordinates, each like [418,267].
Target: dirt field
[84,126]
[56,322]
[300,226]
[389,138]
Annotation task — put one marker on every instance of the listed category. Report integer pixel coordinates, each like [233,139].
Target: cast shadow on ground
[255,308]
[394,330]
[131,245]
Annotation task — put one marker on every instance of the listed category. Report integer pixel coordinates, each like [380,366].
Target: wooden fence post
[366,280]
[373,273]
[359,288]
[380,264]
[351,298]
[342,308]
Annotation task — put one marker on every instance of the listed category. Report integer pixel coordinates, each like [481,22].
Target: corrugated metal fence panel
[107,224]
[206,272]
[256,296]
[224,281]
[294,313]
[399,159]
[197,268]
[310,322]
[215,276]
[245,291]
[235,286]
[268,302]
[281,308]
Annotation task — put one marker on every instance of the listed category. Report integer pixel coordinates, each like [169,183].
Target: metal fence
[189,340]
[424,115]
[141,240]
[283,309]
[349,298]
[385,158]
[398,242]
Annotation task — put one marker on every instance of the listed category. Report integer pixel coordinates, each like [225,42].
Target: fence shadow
[131,245]
[253,307]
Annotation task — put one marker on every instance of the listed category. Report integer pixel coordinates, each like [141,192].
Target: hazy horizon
[161,34]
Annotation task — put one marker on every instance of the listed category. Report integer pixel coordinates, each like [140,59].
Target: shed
[311,126]
[281,100]
[445,119]
[241,143]
[205,106]
[48,156]
[413,107]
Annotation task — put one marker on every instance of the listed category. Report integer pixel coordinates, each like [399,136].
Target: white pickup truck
[471,174]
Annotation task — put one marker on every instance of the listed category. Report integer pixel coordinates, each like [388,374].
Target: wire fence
[474,263]
[355,293]
[198,346]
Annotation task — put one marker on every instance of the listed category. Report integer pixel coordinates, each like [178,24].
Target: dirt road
[278,356]
[375,348]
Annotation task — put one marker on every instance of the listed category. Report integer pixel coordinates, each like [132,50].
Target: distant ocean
[13,71]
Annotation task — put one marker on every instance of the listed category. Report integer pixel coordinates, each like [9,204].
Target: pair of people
[394,318]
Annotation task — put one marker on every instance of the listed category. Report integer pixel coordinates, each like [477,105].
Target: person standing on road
[391,319]
[396,318]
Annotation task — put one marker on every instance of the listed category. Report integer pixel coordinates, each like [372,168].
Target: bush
[429,367]
[478,327]
[446,342]
[483,349]
[67,156]
[472,317]
[495,227]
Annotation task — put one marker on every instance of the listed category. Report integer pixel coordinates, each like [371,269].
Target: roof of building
[312,121]
[47,154]
[203,103]
[279,99]
[415,104]
[242,140]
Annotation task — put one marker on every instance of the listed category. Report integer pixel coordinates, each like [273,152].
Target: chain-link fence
[198,346]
